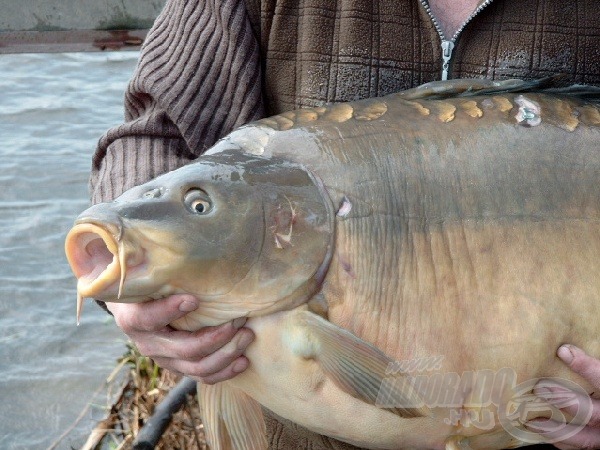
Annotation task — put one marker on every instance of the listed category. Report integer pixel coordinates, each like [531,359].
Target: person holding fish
[209,66]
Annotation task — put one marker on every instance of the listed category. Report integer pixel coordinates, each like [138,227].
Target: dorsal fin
[468,87]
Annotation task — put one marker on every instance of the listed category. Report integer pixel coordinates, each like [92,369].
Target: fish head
[246,235]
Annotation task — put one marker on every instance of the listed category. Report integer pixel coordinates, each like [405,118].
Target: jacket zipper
[448,44]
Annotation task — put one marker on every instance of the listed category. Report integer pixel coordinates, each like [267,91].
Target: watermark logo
[469,399]
[472,389]
[561,395]
[425,364]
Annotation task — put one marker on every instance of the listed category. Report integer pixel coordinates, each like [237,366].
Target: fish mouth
[98,257]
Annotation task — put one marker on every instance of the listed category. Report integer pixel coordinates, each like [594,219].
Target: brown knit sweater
[209,66]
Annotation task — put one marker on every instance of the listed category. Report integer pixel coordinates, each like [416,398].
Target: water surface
[53,108]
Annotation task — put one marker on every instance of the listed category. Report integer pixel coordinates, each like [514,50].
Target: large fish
[409,264]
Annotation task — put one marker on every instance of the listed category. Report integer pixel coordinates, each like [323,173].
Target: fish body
[457,222]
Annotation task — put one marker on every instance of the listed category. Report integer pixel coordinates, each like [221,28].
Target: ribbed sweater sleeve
[198,77]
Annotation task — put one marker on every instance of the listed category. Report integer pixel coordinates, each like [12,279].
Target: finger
[237,366]
[222,358]
[151,316]
[186,345]
[567,437]
[581,363]
[576,403]
[214,362]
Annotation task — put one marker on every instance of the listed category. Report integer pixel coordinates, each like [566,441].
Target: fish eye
[197,201]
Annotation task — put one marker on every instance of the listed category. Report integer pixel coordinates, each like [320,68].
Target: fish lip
[94,272]
[116,229]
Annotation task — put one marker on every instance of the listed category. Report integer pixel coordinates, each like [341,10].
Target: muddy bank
[138,386]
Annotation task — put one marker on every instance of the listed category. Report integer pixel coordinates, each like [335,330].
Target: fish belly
[296,388]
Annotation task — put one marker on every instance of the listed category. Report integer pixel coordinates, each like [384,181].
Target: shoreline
[135,388]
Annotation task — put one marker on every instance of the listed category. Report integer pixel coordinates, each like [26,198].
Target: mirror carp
[409,264]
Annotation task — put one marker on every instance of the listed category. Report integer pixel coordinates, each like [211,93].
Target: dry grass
[144,387]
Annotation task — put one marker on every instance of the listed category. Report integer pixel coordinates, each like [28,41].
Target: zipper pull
[447,47]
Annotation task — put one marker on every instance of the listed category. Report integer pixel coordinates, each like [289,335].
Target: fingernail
[239,366]
[244,340]
[239,322]
[188,306]
[565,353]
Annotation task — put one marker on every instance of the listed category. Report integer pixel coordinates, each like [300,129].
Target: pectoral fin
[358,367]
[232,420]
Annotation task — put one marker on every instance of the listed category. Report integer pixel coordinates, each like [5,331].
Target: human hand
[210,355]
[589,368]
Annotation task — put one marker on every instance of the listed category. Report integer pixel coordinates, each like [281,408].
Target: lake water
[53,108]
